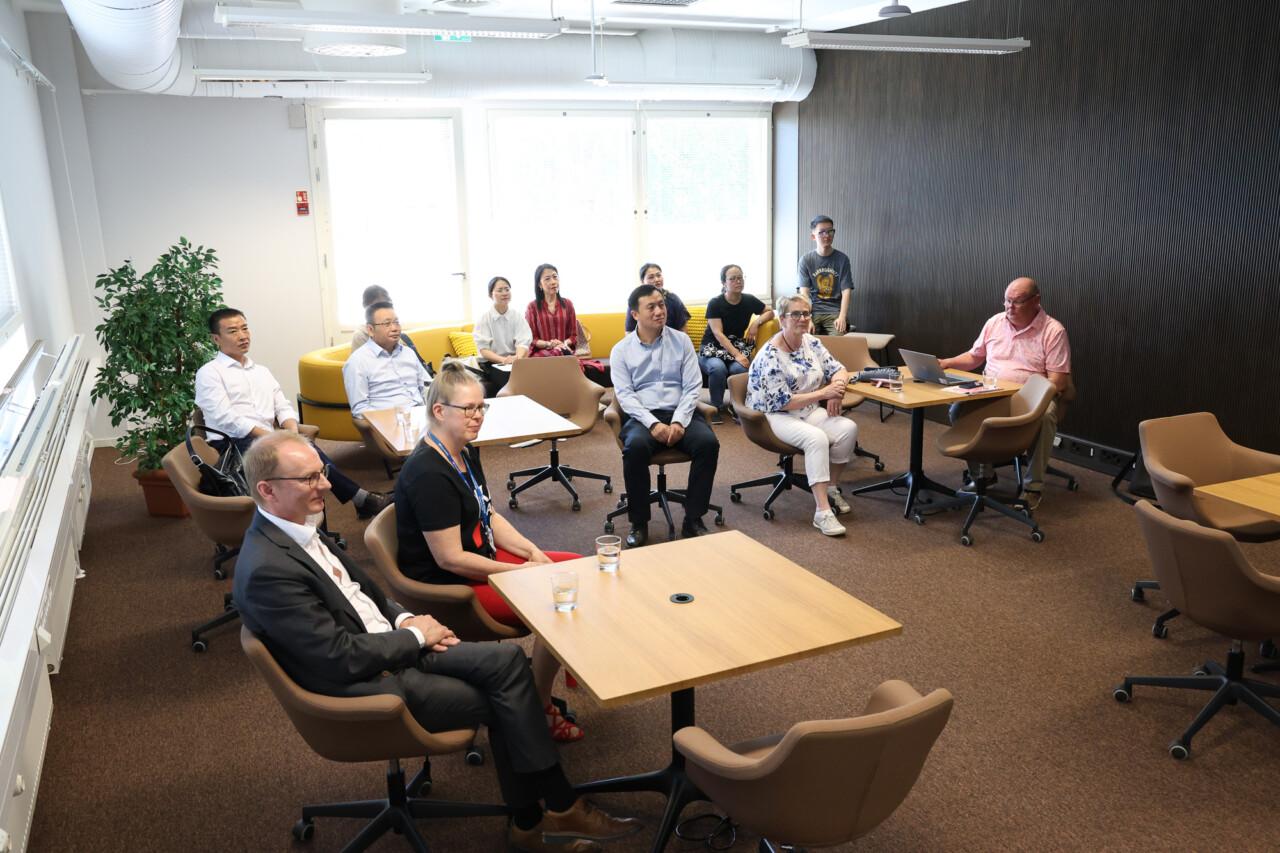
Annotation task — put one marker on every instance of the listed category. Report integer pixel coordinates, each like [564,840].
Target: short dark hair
[819,219]
[633,301]
[493,282]
[724,271]
[644,268]
[370,310]
[374,293]
[537,281]
[222,314]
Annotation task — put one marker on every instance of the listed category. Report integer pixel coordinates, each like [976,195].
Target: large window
[13,338]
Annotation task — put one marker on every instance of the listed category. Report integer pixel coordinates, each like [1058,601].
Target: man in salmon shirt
[1017,343]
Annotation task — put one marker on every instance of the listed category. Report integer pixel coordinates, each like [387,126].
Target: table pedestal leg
[914,477]
[670,781]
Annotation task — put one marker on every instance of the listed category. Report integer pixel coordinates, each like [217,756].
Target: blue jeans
[718,374]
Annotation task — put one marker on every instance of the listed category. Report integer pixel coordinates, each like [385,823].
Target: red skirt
[494,604]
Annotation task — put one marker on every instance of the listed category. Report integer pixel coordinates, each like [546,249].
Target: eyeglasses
[1009,303]
[395,323]
[735,278]
[798,315]
[470,411]
[310,480]
[827,232]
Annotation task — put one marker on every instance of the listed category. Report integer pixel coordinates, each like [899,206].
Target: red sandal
[562,731]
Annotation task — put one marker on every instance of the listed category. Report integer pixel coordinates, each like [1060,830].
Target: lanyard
[482,500]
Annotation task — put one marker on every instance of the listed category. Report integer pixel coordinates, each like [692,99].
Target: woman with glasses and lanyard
[799,386]
[447,528]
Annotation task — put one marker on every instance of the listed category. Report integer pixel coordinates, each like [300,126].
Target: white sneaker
[838,503]
[826,522]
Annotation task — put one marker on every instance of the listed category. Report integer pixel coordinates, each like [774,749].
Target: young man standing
[825,276]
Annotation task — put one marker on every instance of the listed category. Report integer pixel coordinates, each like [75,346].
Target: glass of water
[608,553]
[990,378]
[564,591]
[404,415]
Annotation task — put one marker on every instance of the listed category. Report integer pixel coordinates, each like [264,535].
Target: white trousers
[823,439]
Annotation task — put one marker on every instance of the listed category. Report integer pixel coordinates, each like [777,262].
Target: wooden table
[627,641]
[916,397]
[1259,493]
[509,420]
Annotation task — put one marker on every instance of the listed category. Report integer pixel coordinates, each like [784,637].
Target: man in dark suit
[335,632]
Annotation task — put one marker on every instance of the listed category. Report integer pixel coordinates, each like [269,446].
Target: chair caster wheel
[1073,486]
[1160,632]
[608,527]
[620,504]
[303,830]
[768,515]
[475,756]
[576,506]
[719,519]
[220,574]
[513,503]
[608,488]
[1200,671]
[966,540]
[1037,536]
[1137,594]
[879,466]
[1267,649]
[199,646]
[1179,751]
[511,485]
[918,519]
[1121,694]
[735,497]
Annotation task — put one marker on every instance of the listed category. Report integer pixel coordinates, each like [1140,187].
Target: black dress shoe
[374,503]
[693,527]
[639,536]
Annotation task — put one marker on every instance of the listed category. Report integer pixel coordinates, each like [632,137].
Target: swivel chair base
[1159,630]
[664,497]
[561,474]
[977,501]
[867,454]
[1229,684]
[221,554]
[229,614]
[784,480]
[397,812]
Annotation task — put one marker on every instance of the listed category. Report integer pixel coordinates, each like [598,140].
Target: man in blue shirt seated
[384,373]
[656,380]
[677,314]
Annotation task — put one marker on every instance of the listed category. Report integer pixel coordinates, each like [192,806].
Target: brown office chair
[222,520]
[1022,461]
[1207,578]
[392,461]
[994,431]
[756,426]
[367,728]
[662,495]
[853,354]
[824,782]
[557,384]
[1185,451]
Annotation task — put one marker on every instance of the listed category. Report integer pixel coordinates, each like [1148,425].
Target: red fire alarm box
[304,206]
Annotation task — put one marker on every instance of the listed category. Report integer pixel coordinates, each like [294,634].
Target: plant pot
[162,497]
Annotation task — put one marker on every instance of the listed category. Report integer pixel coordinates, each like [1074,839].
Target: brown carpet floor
[156,748]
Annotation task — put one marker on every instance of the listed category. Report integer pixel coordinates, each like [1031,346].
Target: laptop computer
[925,368]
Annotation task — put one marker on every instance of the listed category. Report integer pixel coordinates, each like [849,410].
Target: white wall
[221,173]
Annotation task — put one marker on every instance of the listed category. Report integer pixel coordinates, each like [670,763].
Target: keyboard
[874,373]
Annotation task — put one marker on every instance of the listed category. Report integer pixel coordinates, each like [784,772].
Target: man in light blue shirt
[656,380]
[383,373]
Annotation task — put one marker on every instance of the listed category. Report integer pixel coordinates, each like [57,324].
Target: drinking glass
[990,378]
[608,553]
[564,591]
[404,415]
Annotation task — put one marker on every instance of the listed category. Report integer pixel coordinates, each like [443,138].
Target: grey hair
[785,301]
[262,460]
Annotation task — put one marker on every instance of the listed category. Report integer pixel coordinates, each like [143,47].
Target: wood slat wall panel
[1129,160]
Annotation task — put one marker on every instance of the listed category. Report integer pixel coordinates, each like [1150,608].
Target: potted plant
[156,336]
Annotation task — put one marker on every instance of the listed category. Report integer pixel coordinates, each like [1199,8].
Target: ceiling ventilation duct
[353,45]
[133,44]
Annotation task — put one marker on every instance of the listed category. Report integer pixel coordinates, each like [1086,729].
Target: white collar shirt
[236,398]
[377,379]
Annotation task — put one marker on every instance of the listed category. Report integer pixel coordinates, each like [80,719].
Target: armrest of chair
[1247,462]
[889,695]
[707,411]
[1172,479]
[375,708]
[309,431]
[700,747]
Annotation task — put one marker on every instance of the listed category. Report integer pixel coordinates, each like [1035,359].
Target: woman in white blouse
[502,336]
[799,386]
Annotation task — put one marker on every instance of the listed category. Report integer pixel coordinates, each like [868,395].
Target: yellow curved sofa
[322,398]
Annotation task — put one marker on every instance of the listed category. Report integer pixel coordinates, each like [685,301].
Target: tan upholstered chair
[989,432]
[662,495]
[556,383]
[824,782]
[367,728]
[222,520]
[853,354]
[392,461]
[756,426]
[1185,451]
[1209,580]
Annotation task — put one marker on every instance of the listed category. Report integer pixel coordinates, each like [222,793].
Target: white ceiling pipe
[133,44]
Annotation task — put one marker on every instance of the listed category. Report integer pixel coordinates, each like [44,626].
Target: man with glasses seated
[241,398]
[384,373]
[1016,343]
[377,293]
[825,278]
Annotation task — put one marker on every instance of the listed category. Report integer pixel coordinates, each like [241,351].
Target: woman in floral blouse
[799,386]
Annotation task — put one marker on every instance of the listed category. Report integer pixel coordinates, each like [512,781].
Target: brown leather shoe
[531,841]
[585,820]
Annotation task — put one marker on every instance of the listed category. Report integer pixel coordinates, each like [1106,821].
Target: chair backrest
[828,782]
[350,728]
[1182,452]
[1207,577]
[754,423]
[558,384]
[851,351]
[223,520]
[1009,426]
[453,605]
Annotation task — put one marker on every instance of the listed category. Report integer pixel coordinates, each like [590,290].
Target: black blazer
[308,624]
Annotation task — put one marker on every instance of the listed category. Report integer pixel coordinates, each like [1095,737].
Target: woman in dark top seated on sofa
[730,338]
[447,528]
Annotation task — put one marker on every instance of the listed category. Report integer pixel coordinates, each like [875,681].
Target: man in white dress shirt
[384,373]
[241,398]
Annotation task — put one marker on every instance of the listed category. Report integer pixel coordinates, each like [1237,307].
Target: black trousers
[494,380]
[344,488]
[638,447]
